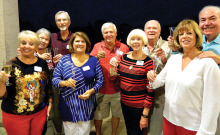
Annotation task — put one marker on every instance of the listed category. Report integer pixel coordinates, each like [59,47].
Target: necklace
[131,66]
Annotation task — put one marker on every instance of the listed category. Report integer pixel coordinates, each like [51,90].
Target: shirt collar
[68,37]
[216,40]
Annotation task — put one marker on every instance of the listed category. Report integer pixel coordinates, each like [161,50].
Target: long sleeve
[99,77]
[211,102]
[57,75]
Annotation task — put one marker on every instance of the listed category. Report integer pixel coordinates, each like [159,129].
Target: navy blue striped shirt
[71,107]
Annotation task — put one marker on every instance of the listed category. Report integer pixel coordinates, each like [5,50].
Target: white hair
[139,33]
[210,7]
[107,25]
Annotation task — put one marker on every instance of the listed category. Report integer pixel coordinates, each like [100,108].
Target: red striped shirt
[133,82]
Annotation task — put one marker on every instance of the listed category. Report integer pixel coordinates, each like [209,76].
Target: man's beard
[63,28]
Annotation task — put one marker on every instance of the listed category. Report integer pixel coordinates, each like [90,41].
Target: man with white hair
[61,39]
[108,97]
[158,50]
[209,22]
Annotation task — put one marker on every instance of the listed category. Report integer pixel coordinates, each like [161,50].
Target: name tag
[67,47]
[140,63]
[38,69]
[120,52]
[86,68]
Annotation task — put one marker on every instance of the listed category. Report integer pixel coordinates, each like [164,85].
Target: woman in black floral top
[24,105]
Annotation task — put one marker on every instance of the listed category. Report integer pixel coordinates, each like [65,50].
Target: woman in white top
[192,87]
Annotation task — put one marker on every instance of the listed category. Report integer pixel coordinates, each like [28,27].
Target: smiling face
[62,21]
[44,41]
[209,22]
[152,30]
[79,44]
[27,47]
[136,43]
[109,35]
[187,39]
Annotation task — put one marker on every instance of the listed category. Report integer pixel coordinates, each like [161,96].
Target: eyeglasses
[64,20]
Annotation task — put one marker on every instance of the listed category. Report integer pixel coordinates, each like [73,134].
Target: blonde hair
[29,34]
[188,24]
[139,33]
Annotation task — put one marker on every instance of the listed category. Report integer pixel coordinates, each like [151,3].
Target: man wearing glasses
[61,39]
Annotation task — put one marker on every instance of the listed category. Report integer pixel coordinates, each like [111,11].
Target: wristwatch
[145,116]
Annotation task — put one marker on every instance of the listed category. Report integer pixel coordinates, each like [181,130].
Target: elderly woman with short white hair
[136,98]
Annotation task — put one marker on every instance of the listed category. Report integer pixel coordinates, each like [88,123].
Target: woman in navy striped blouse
[78,77]
[136,99]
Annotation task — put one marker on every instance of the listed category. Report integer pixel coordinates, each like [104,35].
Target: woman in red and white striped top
[136,98]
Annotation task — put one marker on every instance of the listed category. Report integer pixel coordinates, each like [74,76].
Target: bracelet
[49,103]
[145,116]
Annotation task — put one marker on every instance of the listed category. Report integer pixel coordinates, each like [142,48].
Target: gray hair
[107,25]
[45,31]
[61,12]
[210,7]
[139,33]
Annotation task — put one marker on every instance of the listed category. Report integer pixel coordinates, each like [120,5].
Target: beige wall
[9,28]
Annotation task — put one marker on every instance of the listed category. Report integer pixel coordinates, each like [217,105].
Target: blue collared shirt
[213,46]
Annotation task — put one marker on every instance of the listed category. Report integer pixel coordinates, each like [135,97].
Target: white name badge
[86,68]
[120,53]
[38,69]
[140,63]
[67,47]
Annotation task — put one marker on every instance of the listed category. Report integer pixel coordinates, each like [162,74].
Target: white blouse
[192,95]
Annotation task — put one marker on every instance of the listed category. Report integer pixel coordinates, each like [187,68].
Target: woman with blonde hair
[24,105]
[136,98]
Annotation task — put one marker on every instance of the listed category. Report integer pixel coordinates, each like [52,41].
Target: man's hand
[101,54]
[171,44]
[209,54]
[160,53]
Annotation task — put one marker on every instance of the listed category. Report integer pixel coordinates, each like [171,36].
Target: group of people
[130,84]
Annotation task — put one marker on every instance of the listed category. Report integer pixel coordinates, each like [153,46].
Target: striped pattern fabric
[133,82]
[71,107]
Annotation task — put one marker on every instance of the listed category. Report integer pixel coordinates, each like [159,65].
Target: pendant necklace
[131,66]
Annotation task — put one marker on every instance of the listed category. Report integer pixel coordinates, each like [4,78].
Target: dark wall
[89,15]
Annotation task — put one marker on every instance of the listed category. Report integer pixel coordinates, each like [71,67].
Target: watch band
[145,116]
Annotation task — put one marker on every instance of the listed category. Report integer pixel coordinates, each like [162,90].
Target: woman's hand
[143,122]
[87,94]
[113,62]
[171,44]
[3,77]
[151,75]
[57,58]
[49,107]
[45,56]
[68,83]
